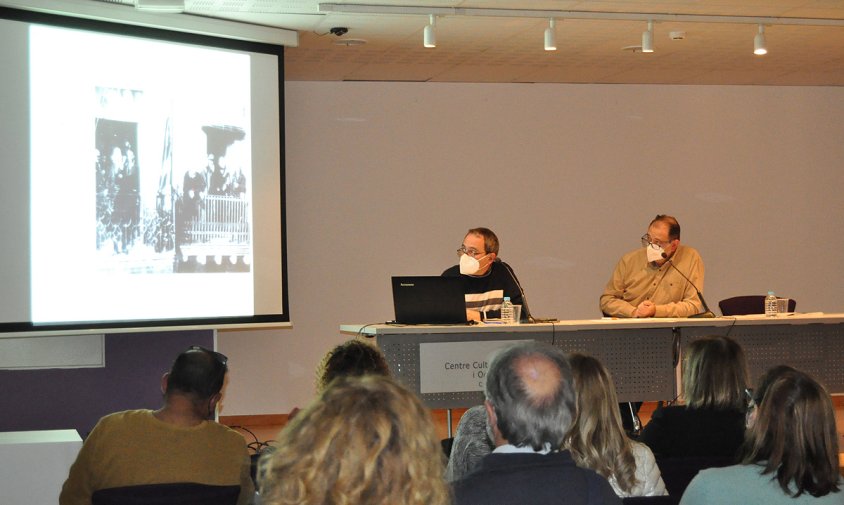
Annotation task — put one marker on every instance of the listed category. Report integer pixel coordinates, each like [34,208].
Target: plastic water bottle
[507,311]
[771,305]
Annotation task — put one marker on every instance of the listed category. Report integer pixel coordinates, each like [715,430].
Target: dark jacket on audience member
[685,432]
[535,479]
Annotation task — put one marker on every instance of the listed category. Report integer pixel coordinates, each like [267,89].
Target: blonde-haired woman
[597,439]
[364,440]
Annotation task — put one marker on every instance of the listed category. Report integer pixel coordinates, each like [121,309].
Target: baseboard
[255,420]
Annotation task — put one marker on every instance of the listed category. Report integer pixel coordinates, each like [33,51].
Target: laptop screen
[429,300]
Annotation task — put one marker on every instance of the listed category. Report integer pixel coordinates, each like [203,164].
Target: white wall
[385,178]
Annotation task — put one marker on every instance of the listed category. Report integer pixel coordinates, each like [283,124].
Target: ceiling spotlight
[550,36]
[429,37]
[759,45]
[648,38]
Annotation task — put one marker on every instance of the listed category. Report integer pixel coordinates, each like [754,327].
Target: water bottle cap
[770,293]
[506,298]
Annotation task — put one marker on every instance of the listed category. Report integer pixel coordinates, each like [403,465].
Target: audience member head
[795,436]
[352,358]
[530,397]
[715,374]
[197,374]
[597,439]
[768,378]
[363,440]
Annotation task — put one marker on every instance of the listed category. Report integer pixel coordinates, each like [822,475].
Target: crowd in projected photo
[155,212]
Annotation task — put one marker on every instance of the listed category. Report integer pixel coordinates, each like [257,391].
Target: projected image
[185,220]
[164,225]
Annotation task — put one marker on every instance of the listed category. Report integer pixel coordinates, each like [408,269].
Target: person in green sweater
[178,443]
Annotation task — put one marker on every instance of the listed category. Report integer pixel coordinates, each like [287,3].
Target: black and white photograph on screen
[117,170]
[212,211]
[165,222]
[186,219]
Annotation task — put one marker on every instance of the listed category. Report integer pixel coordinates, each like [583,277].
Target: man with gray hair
[530,401]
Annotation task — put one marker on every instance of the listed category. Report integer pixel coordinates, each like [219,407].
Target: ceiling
[510,49]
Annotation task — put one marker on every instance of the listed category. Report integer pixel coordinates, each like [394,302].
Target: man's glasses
[656,244]
[470,251]
[220,357]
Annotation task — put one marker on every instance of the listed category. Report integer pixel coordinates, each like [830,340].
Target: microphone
[707,313]
[525,308]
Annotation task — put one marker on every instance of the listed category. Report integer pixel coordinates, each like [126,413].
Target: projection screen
[143,178]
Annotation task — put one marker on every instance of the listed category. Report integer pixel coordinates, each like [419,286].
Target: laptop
[429,300]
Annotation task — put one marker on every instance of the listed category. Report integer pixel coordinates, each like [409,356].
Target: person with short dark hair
[789,456]
[351,358]
[365,440]
[647,282]
[178,443]
[531,403]
[487,279]
[711,422]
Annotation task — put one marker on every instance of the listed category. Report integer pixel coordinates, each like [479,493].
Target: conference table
[446,364]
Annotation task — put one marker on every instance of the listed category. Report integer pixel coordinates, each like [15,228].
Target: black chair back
[181,493]
[753,304]
[678,472]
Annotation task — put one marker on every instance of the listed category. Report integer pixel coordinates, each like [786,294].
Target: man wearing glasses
[487,279]
[178,443]
[649,282]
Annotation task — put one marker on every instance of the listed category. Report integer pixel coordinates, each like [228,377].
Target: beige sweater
[134,448]
[635,280]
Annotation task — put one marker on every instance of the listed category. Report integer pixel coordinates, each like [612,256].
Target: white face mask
[469,265]
[655,254]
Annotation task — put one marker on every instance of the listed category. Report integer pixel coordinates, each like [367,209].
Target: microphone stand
[525,307]
[706,313]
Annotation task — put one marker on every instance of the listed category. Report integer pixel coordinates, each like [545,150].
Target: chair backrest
[651,500]
[447,444]
[753,304]
[678,472]
[181,493]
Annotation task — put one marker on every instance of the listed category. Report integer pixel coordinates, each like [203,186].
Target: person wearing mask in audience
[711,421]
[649,282]
[365,440]
[531,403]
[487,279]
[598,441]
[789,455]
[178,443]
